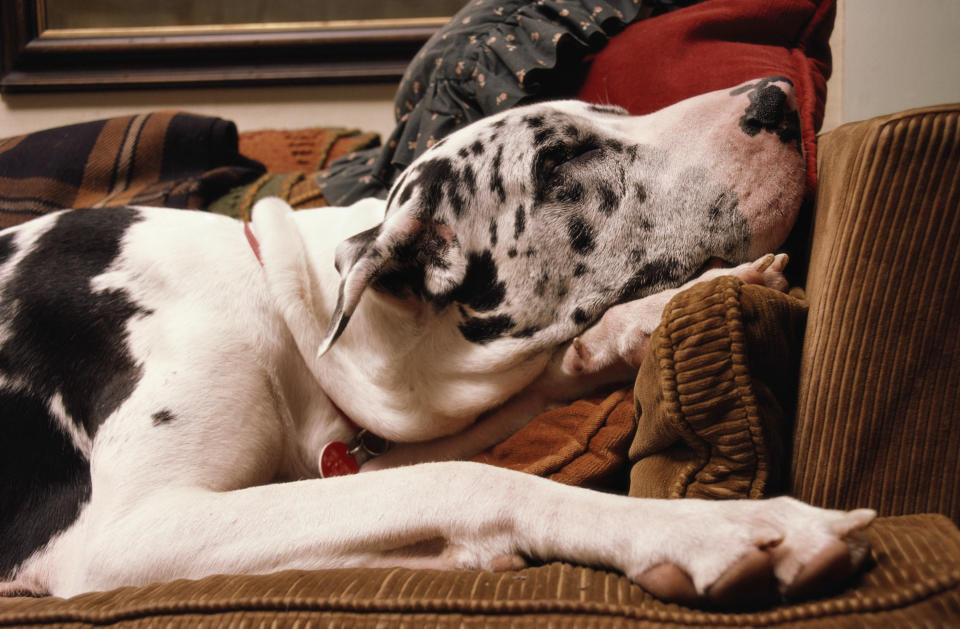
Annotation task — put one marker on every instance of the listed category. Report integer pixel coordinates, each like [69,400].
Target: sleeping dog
[183,394]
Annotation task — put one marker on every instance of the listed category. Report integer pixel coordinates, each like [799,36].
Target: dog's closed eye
[582,158]
[564,156]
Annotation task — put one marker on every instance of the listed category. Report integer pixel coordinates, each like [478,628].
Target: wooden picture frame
[34,59]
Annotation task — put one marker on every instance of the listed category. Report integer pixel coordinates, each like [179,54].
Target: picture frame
[34,58]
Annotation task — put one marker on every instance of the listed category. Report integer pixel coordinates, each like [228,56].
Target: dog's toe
[507,563]
[749,583]
[764,262]
[825,572]
[669,582]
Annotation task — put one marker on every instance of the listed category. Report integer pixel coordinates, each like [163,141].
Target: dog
[184,394]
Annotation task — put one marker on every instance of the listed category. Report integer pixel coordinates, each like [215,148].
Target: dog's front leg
[621,337]
[459,515]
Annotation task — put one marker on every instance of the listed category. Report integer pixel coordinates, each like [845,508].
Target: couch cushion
[877,422]
[715,393]
[914,582]
[665,59]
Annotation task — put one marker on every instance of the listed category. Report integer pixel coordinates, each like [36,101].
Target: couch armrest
[877,419]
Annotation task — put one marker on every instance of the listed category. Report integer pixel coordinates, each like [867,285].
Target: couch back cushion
[877,419]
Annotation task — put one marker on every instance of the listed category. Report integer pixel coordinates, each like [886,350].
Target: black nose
[770,110]
[766,108]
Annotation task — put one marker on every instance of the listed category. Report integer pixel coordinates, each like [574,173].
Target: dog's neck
[401,369]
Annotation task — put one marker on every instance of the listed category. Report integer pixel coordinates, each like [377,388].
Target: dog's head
[535,221]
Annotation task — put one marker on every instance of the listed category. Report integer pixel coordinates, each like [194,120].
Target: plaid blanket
[167,158]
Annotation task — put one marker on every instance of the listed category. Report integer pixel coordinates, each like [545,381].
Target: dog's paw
[753,554]
[765,271]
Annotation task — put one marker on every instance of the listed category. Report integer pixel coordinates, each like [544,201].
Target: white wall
[367,107]
[891,55]
[888,55]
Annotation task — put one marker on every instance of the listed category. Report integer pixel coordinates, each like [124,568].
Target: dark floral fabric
[492,55]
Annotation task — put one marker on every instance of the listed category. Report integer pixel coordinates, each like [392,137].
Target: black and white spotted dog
[183,395]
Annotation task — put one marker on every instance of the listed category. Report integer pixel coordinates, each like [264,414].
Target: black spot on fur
[396,189]
[405,194]
[6,247]
[63,337]
[435,176]
[519,222]
[541,136]
[493,232]
[609,199]
[481,288]
[650,275]
[476,148]
[580,316]
[570,192]
[512,252]
[526,332]
[496,179]
[485,329]
[470,180]
[456,202]
[408,261]
[162,417]
[540,288]
[581,235]
[722,205]
[464,153]
[353,247]
[640,192]
[615,146]
[45,478]
[534,121]
[580,269]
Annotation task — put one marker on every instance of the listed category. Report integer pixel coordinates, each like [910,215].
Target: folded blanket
[168,158]
[709,415]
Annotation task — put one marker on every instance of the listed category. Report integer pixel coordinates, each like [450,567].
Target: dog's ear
[404,256]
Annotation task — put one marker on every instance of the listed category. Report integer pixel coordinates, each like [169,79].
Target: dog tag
[335,460]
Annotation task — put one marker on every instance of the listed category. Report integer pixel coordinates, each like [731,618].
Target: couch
[875,424]
[841,393]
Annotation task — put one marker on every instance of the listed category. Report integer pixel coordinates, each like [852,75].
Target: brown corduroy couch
[874,422]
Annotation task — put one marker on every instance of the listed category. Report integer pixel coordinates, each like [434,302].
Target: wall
[892,55]
[888,55]
[367,107]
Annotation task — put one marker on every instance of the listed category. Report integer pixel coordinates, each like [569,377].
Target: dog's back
[63,368]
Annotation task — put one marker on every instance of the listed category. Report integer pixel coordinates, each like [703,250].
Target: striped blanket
[166,158]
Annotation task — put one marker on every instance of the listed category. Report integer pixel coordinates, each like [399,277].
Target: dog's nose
[767,109]
[772,108]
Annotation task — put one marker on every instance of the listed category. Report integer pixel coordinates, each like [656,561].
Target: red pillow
[659,61]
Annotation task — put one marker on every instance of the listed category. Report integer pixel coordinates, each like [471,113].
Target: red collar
[336,457]
[340,459]
[254,244]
